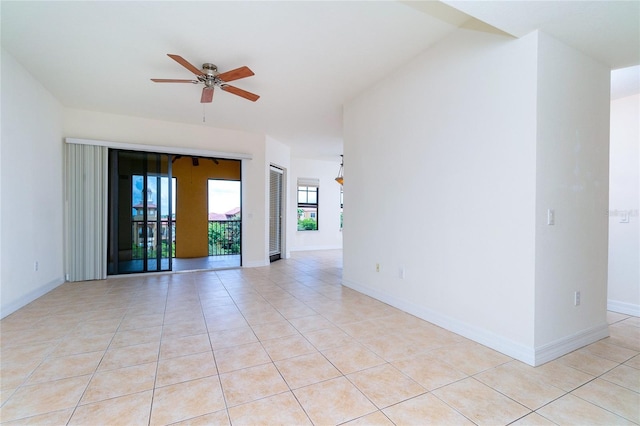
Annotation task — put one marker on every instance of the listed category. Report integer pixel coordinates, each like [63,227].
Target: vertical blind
[86,211]
[275,210]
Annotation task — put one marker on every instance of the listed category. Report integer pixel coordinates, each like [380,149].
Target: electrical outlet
[35,266]
[401,272]
[576,298]
[377,267]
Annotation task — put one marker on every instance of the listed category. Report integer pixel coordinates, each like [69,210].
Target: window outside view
[307,208]
[140,220]
[224,217]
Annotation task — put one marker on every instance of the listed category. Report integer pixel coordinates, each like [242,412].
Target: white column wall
[572,177]
[624,223]
[440,186]
[31,222]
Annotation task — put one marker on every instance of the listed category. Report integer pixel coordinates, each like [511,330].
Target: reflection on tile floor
[285,344]
[181,264]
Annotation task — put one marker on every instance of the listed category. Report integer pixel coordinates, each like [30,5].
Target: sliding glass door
[141,220]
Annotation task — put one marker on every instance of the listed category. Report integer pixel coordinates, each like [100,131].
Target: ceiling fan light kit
[211,78]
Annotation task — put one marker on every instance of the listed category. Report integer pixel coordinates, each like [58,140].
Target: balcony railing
[224,237]
[139,246]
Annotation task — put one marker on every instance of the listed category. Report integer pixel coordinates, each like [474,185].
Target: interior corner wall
[328,236]
[32,189]
[623,293]
[440,189]
[279,155]
[134,130]
[572,178]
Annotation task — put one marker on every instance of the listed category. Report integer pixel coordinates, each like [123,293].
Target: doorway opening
[158,220]
[224,228]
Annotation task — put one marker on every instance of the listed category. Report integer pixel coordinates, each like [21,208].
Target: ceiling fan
[211,78]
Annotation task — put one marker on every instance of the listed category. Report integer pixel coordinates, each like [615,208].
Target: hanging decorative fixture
[340,178]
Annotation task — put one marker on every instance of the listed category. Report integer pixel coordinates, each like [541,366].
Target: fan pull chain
[204,119]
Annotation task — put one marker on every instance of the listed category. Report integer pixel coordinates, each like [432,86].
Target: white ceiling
[308,57]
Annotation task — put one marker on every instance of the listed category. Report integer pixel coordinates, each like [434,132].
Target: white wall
[572,177]
[31,189]
[440,182]
[125,129]
[624,184]
[454,163]
[328,235]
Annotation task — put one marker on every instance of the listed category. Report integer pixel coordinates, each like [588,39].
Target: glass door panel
[141,220]
[167,221]
[153,260]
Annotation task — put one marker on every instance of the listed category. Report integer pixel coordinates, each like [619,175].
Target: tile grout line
[213,354]
[155,379]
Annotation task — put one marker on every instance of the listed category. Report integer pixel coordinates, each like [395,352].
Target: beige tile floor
[285,344]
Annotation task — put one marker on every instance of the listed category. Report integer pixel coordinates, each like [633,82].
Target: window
[308,204]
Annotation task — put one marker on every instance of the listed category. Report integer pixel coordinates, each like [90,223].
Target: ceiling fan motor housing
[211,75]
[210,69]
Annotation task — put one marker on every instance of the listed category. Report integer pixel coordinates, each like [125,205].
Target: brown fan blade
[171,80]
[207,95]
[242,93]
[185,63]
[236,74]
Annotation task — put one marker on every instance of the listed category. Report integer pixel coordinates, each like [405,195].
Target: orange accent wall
[191,201]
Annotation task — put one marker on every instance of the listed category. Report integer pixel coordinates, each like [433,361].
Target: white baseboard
[484,337]
[313,248]
[567,344]
[10,308]
[255,263]
[529,355]
[623,307]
